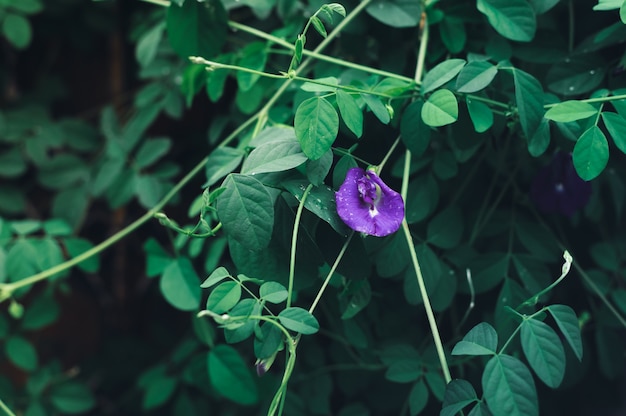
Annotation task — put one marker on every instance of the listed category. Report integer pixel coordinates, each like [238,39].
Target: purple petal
[366,204]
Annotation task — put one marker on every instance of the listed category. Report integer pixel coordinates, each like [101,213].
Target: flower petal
[377,213]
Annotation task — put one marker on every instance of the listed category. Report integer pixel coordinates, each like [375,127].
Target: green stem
[294,243]
[316,55]
[432,322]
[6,409]
[330,273]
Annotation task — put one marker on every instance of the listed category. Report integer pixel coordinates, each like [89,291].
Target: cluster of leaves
[499,87]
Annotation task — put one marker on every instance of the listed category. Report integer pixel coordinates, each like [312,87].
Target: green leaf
[254,56]
[378,108]
[319,26]
[72,397]
[446,228]
[317,124]
[513,19]
[21,260]
[27,6]
[570,111]
[273,292]
[217,276]
[405,370]
[544,351]
[223,297]
[475,76]
[151,151]
[159,390]
[25,227]
[230,375]
[453,34]
[480,340]
[396,13]
[459,393]
[480,113]
[76,247]
[540,140]
[357,296]
[269,341]
[567,321]
[441,74]
[418,398]
[194,77]
[321,202]
[246,211]
[16,28]
[149,190]
[591,153]
[221,162]
[622,12]
[317,170]
[275,156]
[197,29]
[148,44]
[440,109]
[40,313]
[528,98]
[12,163]
[542,6]
[319,87]
[21,353]
[179,285]
[616,126]
[508,387]
[576,75]
[244,328]
[63,171]
[350,112]
[299,320]
[415,133]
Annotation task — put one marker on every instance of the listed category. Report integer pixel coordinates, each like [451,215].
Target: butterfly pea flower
[557,188]
[366,204]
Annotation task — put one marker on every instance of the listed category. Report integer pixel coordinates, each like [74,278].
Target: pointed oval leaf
[21,353]
[616,126]
[217,276]
[276,156]
[299,320]
[221,162]
[509,388]
[570,111]
[480,340]
[197,28]
[230,375]
[544,351]
[317,124]
[418,397]
[273,292]
[475,76]
[441,73]
[481,115]
[246,210]
[591,153]
[567,321]
[224,297]
[378,108]
[513,19]
[415,133]
[351,113]
[459,393]
[440,109]
[446,228]
[179,285]
[529,101]
[396,13]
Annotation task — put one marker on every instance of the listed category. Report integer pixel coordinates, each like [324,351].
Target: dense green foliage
[225,127]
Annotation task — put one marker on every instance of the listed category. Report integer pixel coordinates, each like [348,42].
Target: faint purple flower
[557,188]
[366,204]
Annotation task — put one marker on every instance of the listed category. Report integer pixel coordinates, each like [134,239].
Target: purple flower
[367,205]
[557,188]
